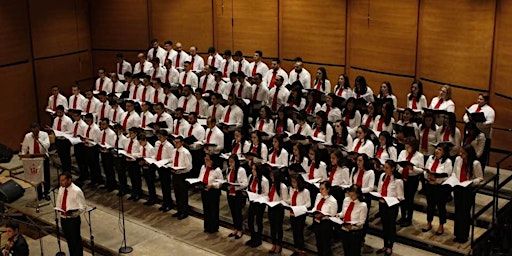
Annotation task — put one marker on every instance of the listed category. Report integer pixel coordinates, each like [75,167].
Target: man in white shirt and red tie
[215,109]
[187,77]
[162,151]
[56,99]
[103,83]
[180,126]
[172,75]
[77,129]
[278,96]
[215,137]
[117,86]
[90,138]
[37,142]
[274,71]
[196,61]
[257,66]
[180,58]
[122,66]
[170,100]
[156,51]
[187,101]
[232,114]
[130,118]
[207,80]
[169,52]
[214,58]
[147,91]
[241,64]
[90,103]
[76,100]
[227,65]
[142,66]
[71,203]
[181,164]
[115,111]
[103,108]
[300,74]
[63,123]
[218,84]
[259,90]
[107,140]
[157,71]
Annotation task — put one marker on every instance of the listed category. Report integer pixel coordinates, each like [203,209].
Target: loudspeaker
[10,191]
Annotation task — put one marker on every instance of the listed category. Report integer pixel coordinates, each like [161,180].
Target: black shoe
[131,197]
[255,244]
[248,242]
[182,216]
[136,198]
[176,214]
[150,202]
[381,250]
[405,224]
[166,209]
[121,193]
[162,207]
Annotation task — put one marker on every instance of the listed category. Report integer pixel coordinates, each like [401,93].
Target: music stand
[33,169]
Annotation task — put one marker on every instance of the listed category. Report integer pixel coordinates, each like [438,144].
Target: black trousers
[81,160]
[44,188]
[323,235]
[437,197]
[368,201]
[120,169]
[181,192]
[149,173]
[211,199]
[165,184]
[464,199]
[71,230]
[388,216]
[93,163]
[313,190]
[410,188]
[256,211]
[107,161]
[298,224]
[339,194]
[352,241]
[64,151]
[133,168]
[236,204]
[275,217]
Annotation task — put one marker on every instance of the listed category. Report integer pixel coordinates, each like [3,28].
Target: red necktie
[225,73]
[197,107]
[294,197]
[114,116]
[158,118]
[226,117]
[75,130]
[434,165]
[318,85]
[167,75]
[333,171]
[235,148]
[463,172]
[142,67]
[120,68]
[212,63]
[424,138]
[190,130]
[239,66]
[274,100]
[143,121]
[64,200]
[101,85]
[55,103]
[204,82]
[177,158]
[300,129]
[125,121]
[340,92]
[254,149]
[254,69]
[216,88]
[134,96]
[185,103]
[184,79]
[130,145]
[379,152]
[254,184]
[103,137]
[385,185]
[311,174]
[159,152]
[214,111]
[359,180]
[144,152]
[327,109]
[255,96]
[154,74]
[478,109]
[317,131]
[88,130]
[74,101]
[272,80]
[320,204]
[414,106]
[177,64]
[177,130]
[446,134]
[88,106]
[37,150]
[59,124]
[143,98]
[358,145]
[405,170]
[232,180]
[380,124]
[166,56]
[368,121]
[439,102]
[271,193]
[273,159]
[102,114]
[348,213]
[166,99]
[347,119]
[155,98]
[240,90]
[260,126]
[209,136]
[192,59]
[298,76]
[206,175]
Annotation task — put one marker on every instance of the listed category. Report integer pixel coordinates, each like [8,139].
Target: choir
[287,143]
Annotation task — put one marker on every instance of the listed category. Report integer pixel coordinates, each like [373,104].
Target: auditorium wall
[465,44]
[42,43]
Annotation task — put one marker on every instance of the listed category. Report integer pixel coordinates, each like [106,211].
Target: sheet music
[453,181]
[336,220]
[193,180]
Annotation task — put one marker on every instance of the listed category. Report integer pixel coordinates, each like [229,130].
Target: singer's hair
[66,174]
[12,225]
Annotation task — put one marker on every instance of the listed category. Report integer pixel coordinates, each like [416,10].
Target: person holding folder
[278,192]
[354,212]
[390,185]
[258,184]
[411,167]
[438,169]
[466,168]
[210,175]
[237,182]
[36,143]
[325,206]
[298,196]
[181,164]
[70,204]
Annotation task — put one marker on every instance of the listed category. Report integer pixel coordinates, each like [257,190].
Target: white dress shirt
[102,110]
[252,186]
[137,69]
[281,98]
[197,63]
[159,72]
[197,131]
[261,93]
[302,199]
[180,127]
[304,77]
[213,176]
[190,101]
[341,176]
[115,114]
[214,136]
[106,86]
[219,109]
[183,56]
[131,119]
[318,173]
[384,126]
[167,118]
[65,125]
[76,101]
[477,175]
[160,54]
[417,160]
[420,105]
[59,99]
[243,66]
[447,105]
[486,109]
[261,68]
[90,105]
[214,60]
[166,149]
[358,214]
[329,207]
[240,178]
[366,147]
[75,199]
[276,197]
[279,158]
[267,78]
[125,67]
[395,187]
[236,115]
[43,141]
[445,167]
[368,179]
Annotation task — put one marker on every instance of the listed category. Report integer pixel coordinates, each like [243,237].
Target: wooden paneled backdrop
[464,43]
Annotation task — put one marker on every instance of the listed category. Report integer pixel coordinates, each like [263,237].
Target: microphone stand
[124,248]
[60,253]
[90,229]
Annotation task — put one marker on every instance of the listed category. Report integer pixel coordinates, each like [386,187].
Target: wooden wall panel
[315,31]
[383,35]
[255,27]
[186,21]
[400,84]
[14,36]
[19,112]
[54,27]
[223,29]
[333,72]
[82,23]
[120,24]
[106,59]
[455,41]
[503,49]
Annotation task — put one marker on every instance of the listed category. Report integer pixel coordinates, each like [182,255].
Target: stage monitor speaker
[10,191]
